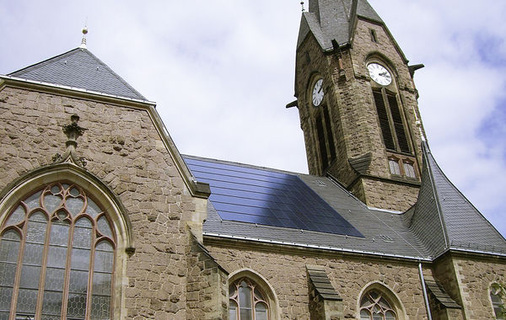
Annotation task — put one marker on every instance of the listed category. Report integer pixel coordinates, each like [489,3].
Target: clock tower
[358,104]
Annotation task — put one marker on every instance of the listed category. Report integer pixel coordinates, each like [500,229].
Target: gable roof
[444,219]
[333,20]
[79,68]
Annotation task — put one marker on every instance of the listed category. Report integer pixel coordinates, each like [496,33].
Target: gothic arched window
[57,256]
[374,306]
[247,301]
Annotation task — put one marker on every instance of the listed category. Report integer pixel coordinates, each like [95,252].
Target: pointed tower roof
[79,68]
[334,20]
[445,219]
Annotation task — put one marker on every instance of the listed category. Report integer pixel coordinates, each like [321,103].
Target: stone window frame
[401,161]
[323,127]
[497,299]
[101,194]
[391,90]
[386,293]
[268,294]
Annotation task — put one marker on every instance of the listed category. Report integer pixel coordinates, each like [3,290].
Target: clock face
[318,92]
[379,74]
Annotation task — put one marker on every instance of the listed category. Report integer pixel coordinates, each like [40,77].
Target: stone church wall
[285,270]
[124,149]
[475,278]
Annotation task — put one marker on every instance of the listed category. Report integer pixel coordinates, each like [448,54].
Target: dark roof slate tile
[333,20]
[383,233]
[79,68]
[445,219]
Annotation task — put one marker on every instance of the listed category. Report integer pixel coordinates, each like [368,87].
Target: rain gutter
[314,246]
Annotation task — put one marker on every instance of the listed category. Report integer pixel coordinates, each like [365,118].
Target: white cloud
[222,71]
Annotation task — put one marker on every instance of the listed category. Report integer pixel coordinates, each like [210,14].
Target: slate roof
[79,68]
[268,197]
[334,20]
[442,219]
[383,233]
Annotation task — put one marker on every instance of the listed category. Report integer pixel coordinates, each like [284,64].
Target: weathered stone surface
[121,146]
[354,119]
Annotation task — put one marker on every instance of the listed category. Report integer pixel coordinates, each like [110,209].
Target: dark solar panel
[266,197]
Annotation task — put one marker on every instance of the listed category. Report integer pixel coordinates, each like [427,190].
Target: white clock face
[318,92]
[379,74]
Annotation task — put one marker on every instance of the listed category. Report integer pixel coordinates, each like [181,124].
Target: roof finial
[83,40]
[302,4]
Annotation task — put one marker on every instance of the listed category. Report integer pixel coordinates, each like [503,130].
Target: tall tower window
[57,252]
[322,122]
[389,111]
[390,120]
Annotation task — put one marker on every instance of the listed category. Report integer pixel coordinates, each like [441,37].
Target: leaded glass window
[374,306]
[57,257]
[247,301]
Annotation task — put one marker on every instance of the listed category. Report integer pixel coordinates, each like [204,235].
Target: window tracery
[57,255]
[374,306]
[247,301]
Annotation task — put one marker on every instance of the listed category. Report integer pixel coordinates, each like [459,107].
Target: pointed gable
[79,68]
[331,20]
[445,219]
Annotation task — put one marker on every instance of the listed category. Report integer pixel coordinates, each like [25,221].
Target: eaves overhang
[67,90]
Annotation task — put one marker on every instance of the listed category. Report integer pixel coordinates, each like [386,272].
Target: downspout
[424,288]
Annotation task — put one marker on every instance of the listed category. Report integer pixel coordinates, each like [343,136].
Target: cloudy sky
[222,72]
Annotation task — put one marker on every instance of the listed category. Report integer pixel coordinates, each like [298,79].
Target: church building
[101,217]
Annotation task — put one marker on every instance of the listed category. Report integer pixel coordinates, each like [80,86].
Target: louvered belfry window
[390,120]
[57,257]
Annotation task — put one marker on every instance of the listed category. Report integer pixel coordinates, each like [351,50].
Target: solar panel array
[267,197]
